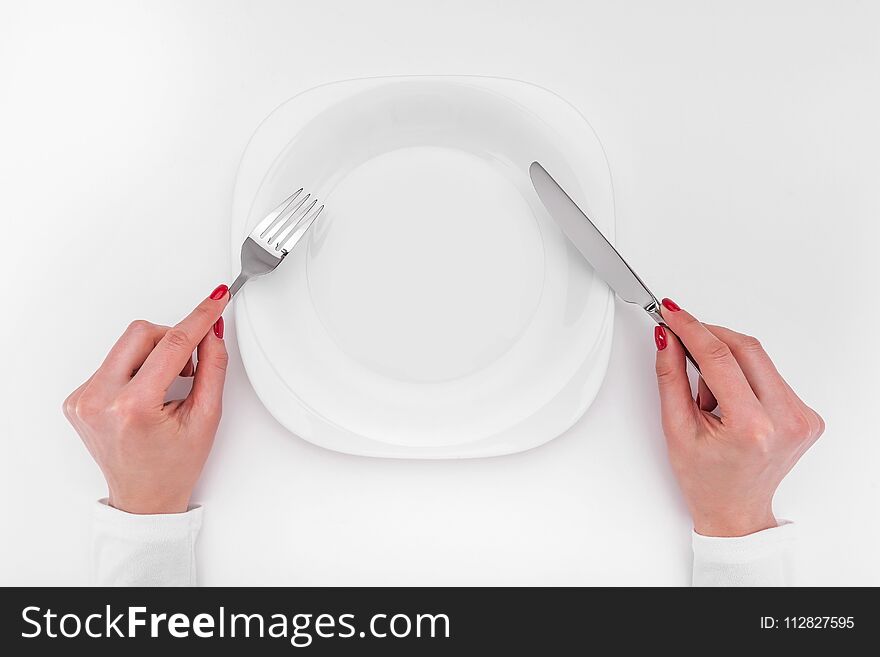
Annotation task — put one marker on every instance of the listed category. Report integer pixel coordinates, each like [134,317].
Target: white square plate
[434,310]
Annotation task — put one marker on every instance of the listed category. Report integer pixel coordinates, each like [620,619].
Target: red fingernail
[669,304]
[660,337]
[219,292]
[218,328]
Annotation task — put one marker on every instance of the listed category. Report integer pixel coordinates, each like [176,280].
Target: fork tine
[270,218]
[281,219]
[293,221]
[295,232]
[290,213]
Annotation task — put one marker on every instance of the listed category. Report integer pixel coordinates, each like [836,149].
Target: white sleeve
[144,550]
[760,559]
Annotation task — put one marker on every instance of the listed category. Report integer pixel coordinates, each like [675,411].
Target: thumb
[676,404]
[206,395]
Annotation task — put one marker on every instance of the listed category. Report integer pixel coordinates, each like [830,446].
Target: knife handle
[657,317]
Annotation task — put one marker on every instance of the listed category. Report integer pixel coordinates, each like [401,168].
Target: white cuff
[760,559]
[144,550]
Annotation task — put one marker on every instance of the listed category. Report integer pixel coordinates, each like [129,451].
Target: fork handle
[238,283]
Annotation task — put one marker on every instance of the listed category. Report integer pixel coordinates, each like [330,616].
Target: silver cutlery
[593,245]
[275,236]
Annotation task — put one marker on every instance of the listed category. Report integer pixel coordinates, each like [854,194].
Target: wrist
[148,504]
[739,522]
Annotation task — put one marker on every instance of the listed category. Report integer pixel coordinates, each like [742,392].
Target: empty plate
[434,310]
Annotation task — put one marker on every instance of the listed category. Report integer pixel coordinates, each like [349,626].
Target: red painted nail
[219,292]
[669,304]
[218,328]
[660,337]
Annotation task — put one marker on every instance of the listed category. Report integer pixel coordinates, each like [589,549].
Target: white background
[743,142]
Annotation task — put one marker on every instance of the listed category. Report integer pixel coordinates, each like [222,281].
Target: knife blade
[595,247]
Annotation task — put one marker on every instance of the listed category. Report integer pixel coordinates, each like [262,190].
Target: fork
[275,236]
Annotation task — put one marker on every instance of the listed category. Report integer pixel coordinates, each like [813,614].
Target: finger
[206,395]
[69,405]
[719,368]
[189,369]
[705,399]
[84,403]
[787,409]
[677,407]
[174,350]
[129,352]
[760,372]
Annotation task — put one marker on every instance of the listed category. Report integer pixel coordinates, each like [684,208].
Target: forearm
[144,550]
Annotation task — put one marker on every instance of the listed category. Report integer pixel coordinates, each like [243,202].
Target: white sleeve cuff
[144,550]
[760,559]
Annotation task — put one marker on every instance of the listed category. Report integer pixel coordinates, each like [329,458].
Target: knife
[593,245]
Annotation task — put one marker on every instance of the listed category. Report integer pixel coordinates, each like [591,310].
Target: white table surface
[743,141]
